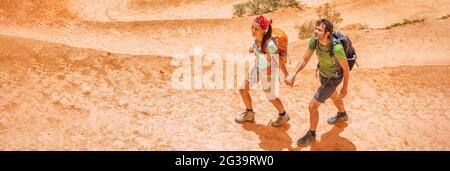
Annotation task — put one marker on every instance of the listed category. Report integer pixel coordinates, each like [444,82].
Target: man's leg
[313,114]
[341,114]
[338,102]
[310,136]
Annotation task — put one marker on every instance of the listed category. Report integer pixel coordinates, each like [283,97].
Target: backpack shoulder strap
[334,42]
[274,40]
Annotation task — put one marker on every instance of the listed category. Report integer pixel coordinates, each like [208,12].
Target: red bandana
[264,22]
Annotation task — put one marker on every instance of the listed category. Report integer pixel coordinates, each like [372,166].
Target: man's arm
[345,68]
[301,64]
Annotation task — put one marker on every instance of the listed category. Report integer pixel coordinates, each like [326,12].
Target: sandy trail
[79,99]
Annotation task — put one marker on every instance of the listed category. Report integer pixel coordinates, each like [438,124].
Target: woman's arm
[283,66]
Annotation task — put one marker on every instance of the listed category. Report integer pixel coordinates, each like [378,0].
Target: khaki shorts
[268,83]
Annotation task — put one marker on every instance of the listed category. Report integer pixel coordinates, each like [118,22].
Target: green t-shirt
[327,64]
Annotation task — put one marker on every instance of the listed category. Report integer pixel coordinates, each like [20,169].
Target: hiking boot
[247,116]
[281,120]
[306,139]
[338,118]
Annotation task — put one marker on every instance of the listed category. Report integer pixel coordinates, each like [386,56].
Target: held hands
[290,79]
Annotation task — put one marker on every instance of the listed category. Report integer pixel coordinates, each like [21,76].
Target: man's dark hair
[328,26]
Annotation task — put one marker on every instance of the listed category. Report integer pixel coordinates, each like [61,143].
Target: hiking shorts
[268,85]
[328,86]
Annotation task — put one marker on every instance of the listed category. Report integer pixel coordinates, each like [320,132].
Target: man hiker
[333,68]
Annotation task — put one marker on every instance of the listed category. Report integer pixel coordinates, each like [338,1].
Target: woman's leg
[278,104]
[248,115]
[246,95]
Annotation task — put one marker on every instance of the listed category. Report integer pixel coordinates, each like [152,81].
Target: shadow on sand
[277,138]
